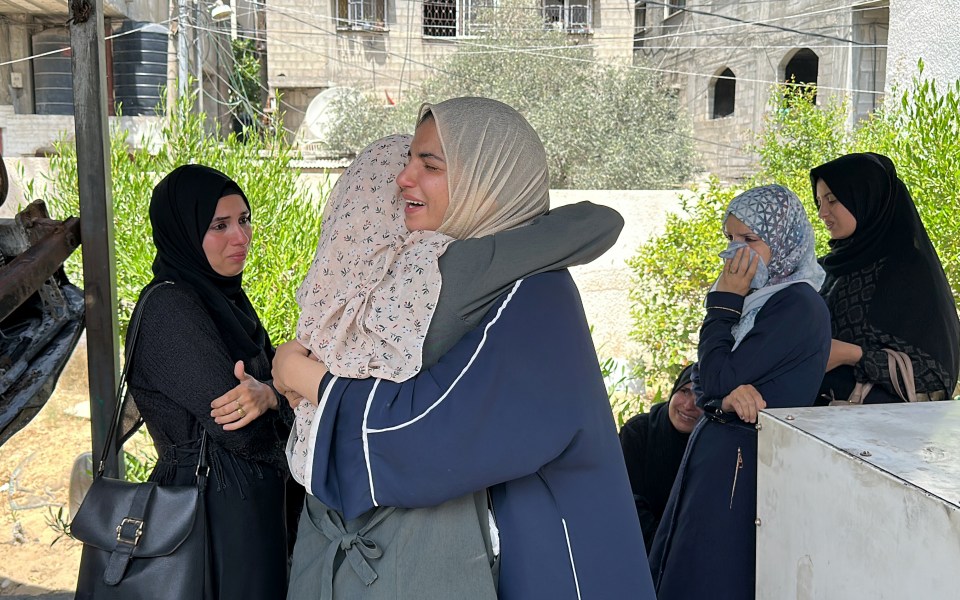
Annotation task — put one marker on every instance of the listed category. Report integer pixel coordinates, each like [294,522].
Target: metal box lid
[917,443]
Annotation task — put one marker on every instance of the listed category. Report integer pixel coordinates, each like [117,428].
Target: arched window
[803,67]
[724,94]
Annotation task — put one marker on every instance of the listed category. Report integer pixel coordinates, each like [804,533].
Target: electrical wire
[748,22]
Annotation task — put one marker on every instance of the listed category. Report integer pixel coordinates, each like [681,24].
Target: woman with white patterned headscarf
[764,342]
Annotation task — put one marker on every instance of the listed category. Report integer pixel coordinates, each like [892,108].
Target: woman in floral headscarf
[372,306]
[764,342]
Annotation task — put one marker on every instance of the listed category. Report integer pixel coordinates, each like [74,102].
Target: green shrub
[286,219]
[920,132]
[672,272]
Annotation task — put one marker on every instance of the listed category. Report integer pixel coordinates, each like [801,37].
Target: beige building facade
[389,46]
[142,58]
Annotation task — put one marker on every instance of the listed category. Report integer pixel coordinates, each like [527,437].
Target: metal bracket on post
[96,217]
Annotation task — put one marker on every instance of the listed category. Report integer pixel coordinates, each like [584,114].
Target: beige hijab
[369,296]
[496,166]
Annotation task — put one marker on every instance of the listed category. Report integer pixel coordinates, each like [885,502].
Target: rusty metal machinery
[41,312]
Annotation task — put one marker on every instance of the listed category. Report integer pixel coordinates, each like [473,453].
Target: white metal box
[859,502]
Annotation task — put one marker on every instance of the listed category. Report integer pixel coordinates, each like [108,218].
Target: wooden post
[96,218]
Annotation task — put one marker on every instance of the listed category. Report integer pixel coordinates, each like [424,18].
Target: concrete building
[724,56]
[36,79]
[928,30]
[388,46]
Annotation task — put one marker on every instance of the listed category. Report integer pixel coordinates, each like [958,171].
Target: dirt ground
[35,470]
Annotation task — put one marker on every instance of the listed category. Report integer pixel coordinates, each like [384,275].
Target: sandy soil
[36,561]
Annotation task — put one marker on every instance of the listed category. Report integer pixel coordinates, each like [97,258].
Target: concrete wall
[15,32]
[605,283]
[30,135]
[927,30]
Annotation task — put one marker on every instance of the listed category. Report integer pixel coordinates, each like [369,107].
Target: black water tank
[53,74]
[139,67]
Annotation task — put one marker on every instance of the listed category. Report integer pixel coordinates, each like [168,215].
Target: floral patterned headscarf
[776,215]
[369,296]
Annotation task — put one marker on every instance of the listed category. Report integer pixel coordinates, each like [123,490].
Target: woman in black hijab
[885,286]
[653,444]
[202,364]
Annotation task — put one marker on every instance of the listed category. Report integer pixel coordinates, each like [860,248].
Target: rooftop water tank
[139,66]
[53,73]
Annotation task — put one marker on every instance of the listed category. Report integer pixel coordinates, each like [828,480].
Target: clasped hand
[244,403]
[746,401]
[738,272]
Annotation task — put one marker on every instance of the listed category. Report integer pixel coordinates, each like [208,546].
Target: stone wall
[309,52]
[33,135]
[691,49]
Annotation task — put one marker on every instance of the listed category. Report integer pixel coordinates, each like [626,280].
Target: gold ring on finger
[241,412]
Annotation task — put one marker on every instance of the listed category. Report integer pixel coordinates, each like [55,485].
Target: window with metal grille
[454,18]
[361,15]
[572,16]
[639,23]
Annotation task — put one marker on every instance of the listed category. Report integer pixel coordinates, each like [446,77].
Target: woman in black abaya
[201,364]
[885,286]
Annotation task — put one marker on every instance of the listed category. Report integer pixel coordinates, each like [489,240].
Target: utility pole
[183,59]
[96,219]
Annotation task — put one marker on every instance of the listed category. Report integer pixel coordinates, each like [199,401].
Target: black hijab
[183,205]
[683,379]
[912,299]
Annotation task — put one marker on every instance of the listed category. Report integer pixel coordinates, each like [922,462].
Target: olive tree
[604,126]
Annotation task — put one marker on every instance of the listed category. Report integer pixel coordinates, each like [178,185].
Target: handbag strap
[901,375]
[134,333]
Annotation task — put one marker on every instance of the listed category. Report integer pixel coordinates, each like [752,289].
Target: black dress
[652,450]
[885,286]
[180,365]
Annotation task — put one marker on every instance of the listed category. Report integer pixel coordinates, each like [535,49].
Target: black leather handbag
[142,540]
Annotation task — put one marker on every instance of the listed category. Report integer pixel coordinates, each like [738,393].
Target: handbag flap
[168,521]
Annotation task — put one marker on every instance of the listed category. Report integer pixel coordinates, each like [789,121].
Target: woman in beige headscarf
[373,305]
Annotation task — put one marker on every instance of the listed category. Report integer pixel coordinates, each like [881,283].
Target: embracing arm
[476,271]
[510,397]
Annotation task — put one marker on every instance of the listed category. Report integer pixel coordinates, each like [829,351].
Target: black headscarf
[682,379]
[183,205]
[912,299]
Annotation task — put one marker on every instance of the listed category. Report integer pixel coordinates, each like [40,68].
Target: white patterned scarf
[776,215]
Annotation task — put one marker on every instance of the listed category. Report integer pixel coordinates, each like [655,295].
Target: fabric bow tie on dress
[356,546]
[761,277]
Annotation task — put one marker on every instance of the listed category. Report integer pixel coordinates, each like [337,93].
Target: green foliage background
[603,126]
[286,219]
[920,132]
